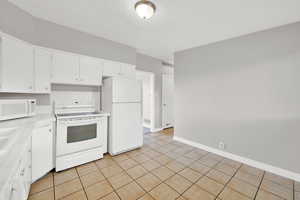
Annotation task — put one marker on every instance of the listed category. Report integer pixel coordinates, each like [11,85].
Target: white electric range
[80,138]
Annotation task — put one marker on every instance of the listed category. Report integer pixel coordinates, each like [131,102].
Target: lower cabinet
[36,160]
[19,186]
[42,151]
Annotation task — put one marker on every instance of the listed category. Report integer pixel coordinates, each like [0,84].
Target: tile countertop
[23,130]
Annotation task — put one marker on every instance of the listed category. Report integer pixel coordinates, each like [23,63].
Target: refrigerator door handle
[142,117]
[142,105]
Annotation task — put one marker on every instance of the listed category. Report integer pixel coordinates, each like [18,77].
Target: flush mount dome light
[145,9]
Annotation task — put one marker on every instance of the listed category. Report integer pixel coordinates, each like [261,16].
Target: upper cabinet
[16,67]
[75,69]
[65,69]
[25,68]
[90,70]
[112,68]
[42,70]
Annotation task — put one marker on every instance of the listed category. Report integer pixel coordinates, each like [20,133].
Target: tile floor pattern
[164,170]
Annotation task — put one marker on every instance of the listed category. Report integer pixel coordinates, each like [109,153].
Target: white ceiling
[177,24]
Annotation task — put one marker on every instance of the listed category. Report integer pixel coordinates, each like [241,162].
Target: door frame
[152,99]
[162,102]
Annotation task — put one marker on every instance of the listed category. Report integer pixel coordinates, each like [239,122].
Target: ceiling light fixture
[145,9]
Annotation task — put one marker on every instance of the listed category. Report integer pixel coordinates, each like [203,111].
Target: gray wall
[150,64]
[245,93]
[59,37]
[19,23]
[16,22]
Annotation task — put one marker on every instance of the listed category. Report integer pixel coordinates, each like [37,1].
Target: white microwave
[17,108]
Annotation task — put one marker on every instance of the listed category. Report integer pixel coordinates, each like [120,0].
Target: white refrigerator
[121,97]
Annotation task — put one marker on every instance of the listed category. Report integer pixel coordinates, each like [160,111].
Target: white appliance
[17,108]
[122,99]
[80,138]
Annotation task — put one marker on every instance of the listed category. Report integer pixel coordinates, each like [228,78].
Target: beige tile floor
[164,170]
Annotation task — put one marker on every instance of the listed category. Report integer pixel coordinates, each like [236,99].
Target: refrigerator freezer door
[126,90]
[126,128]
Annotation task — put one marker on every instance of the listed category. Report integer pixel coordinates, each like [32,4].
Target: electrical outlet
[222,145]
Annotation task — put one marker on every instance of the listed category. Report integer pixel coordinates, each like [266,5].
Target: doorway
[147,79]
[167,100]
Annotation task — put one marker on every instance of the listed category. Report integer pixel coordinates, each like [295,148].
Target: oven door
[78,135]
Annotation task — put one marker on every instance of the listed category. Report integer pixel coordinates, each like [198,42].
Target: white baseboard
[156,129]
[253,163]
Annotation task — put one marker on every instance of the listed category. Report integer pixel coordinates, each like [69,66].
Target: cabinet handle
[50,130]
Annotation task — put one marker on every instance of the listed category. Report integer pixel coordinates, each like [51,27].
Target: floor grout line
[106,179]
[262,178]
[229,181]
[172,159]
[165,165]
[154,142]
[78,177]
[81,182]
[54,193]
[293,190]
[193,183]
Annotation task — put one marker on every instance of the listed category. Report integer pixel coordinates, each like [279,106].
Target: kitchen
[149,100]
[95,108]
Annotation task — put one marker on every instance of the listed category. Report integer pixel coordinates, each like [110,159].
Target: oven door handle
[81,122]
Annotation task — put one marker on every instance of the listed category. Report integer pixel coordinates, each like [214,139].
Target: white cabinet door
[16,66]
[65,68]
[111,68]
[128,71]
[167,100]
[90,71]
[42,151]
[42,68]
